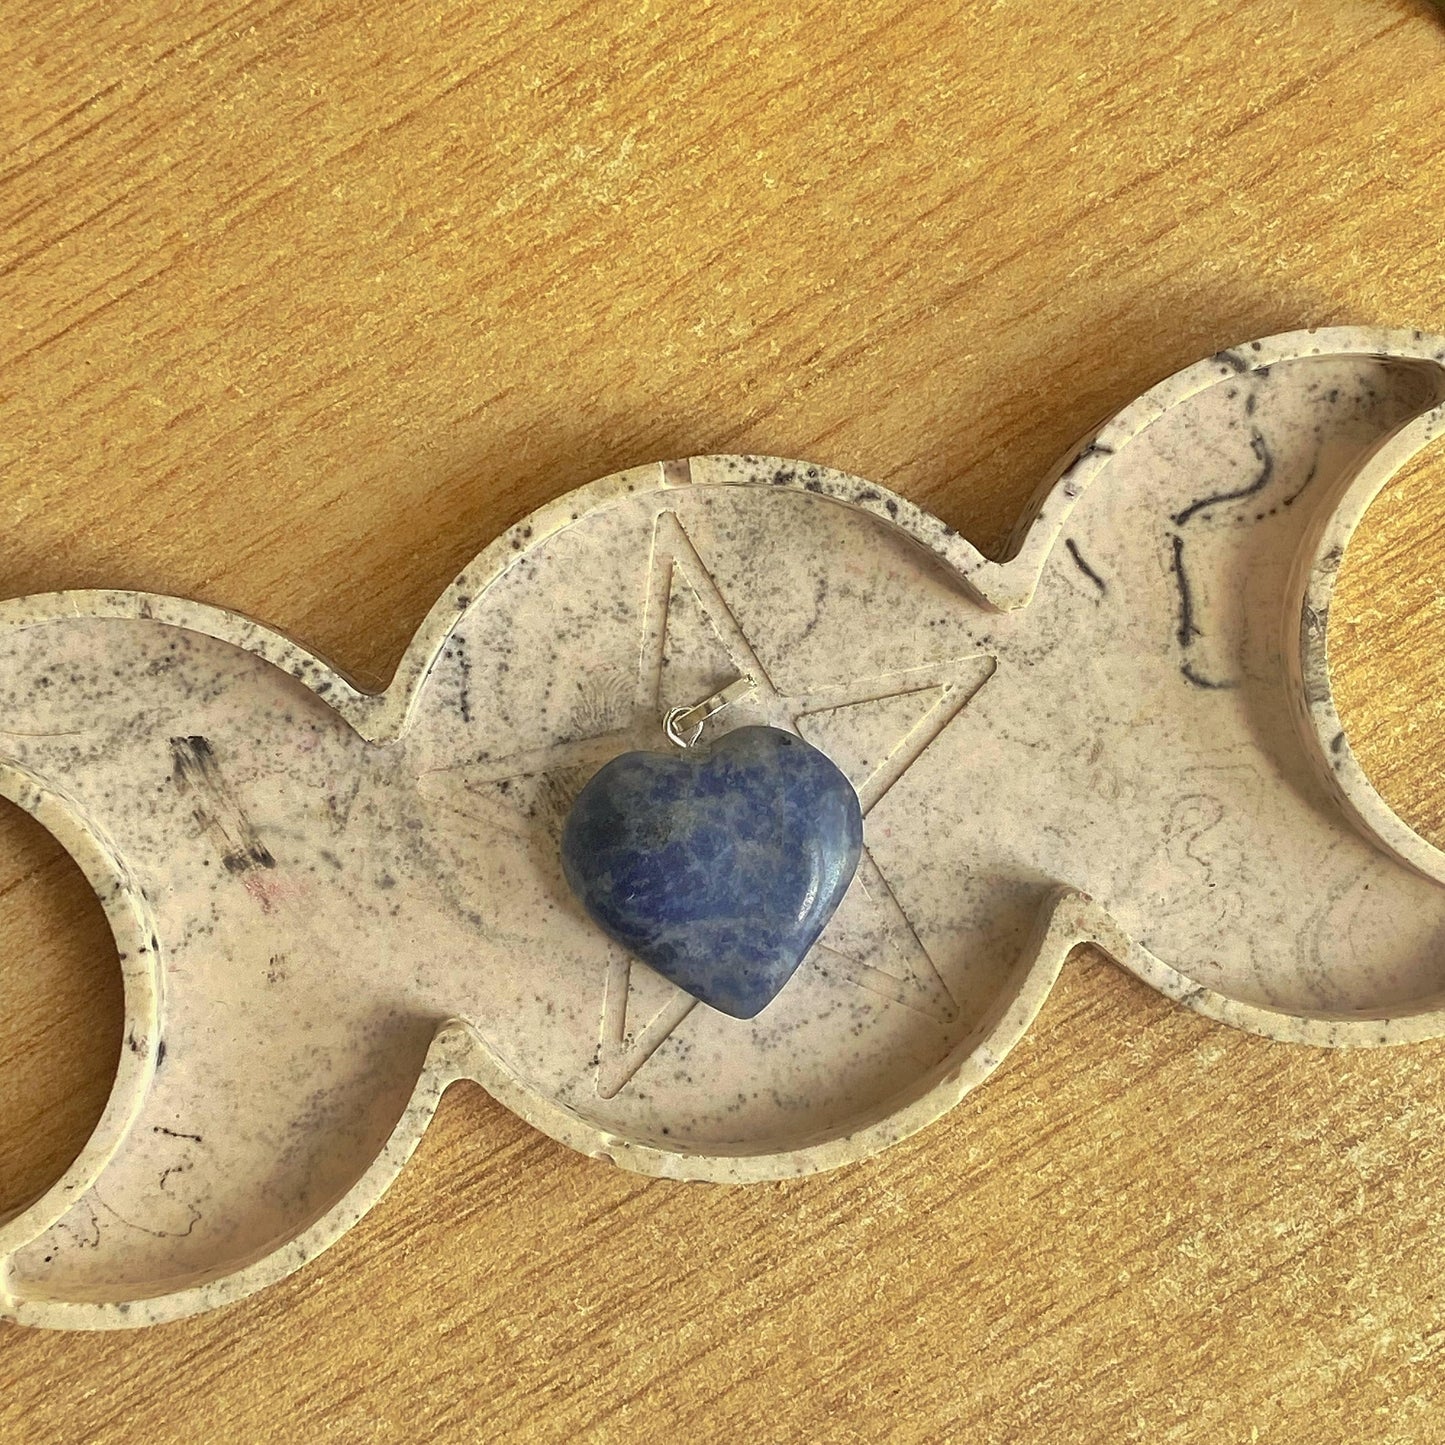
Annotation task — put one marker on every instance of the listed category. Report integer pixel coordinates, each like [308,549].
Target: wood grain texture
[303,303]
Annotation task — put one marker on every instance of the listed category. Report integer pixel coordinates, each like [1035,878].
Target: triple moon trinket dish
[330,904]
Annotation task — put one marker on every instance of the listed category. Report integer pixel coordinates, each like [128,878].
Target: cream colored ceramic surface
[329,904]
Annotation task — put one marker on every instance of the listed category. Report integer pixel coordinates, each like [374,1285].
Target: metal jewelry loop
[684,725]
[671,725]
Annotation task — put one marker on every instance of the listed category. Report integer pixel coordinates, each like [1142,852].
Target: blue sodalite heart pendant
[718,867]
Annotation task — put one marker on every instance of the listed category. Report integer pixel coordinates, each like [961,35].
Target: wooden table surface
[303,303]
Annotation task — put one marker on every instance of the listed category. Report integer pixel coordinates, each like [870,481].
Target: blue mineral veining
[720,866]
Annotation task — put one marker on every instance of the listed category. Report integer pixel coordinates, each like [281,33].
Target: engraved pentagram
[875,728]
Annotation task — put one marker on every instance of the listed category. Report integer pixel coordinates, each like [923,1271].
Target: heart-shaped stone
[719,867]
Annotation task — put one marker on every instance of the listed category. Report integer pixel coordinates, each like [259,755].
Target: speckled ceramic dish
[330,904]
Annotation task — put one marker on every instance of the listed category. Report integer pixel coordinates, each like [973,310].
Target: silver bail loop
[684,725]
